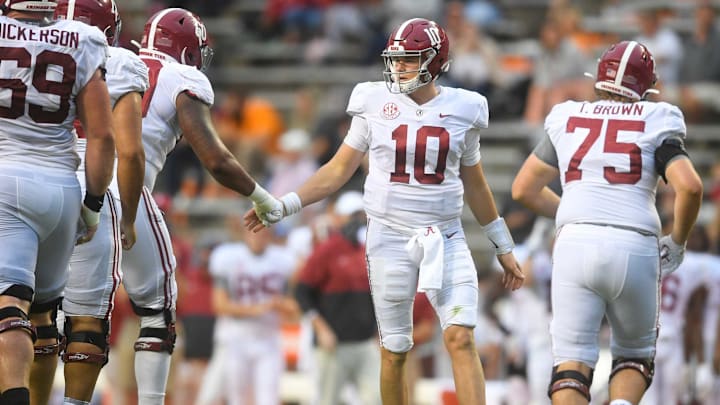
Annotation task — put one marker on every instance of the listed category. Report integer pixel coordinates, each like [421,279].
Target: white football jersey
[161,130]
[250,279]
[44,67]
[415,152]
[126,73]
[676,290]
[606,158]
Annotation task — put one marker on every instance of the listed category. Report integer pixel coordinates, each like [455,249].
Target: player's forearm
[230,173]
[544,203]
[127,119]
[687,207]
[327,180]
[99,159]
[481,201]
[130,175]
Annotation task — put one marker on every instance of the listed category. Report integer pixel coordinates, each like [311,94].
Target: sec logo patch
[390,111]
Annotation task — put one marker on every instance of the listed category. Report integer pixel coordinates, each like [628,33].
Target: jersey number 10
[400,174]
[611,145]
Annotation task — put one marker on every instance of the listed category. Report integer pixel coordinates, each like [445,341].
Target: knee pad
[48,331]
[23,292]
[397,343]
[570,379]
[22,323]
[156,324]
[99,339]
[646,367]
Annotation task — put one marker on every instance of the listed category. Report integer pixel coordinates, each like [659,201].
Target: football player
[609,154]
[423,142]
[177,104]
[95,266]
[52,73]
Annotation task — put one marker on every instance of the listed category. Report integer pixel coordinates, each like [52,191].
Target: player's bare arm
[530,187]
[688,187]
[224,306]
[480,199]
[196,125]
[94,113]
[328,179]
[127,119]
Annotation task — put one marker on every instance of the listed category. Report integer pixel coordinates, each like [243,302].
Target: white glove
[268,208]
[88,224]
[704,380]
[671,255]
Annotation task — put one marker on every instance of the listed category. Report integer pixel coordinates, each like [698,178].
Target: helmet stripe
[623,62]
[153,27]
[398,33]
[70,10]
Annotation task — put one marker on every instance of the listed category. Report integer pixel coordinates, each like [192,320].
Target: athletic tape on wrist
[499,234]
[291,202]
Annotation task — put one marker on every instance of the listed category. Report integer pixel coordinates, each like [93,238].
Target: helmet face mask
[627,69]
[423,46]
[179,34]
[102,14]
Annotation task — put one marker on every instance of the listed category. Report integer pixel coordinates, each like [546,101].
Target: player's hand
[671,255]
[326,338]
[127,234]
[87,226]
[252,221]
[269,211]
[287,307]
[513,276]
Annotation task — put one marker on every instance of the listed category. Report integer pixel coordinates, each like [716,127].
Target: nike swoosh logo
[444,115]
[450,235]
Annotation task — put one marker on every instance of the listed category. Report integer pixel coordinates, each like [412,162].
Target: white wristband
[291,202]
[259,195]
[499,234]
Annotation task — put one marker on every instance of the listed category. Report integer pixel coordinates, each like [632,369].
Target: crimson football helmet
[27,5]
[419,38]
[98,13]
[179,34]
[627,69]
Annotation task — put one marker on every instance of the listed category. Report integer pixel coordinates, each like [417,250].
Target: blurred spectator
[249,299]
[475,57]
[699,77]
[663,43]
[333,288]
[250,126]
[295,20]
[292,166]
[327,138]
[558,74]
[197,321]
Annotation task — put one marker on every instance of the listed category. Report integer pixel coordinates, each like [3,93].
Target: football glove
[671,255]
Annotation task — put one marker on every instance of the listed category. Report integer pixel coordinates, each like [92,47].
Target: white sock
[620,402]
[151,368]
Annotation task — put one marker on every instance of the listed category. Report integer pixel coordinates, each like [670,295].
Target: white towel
[426,247]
